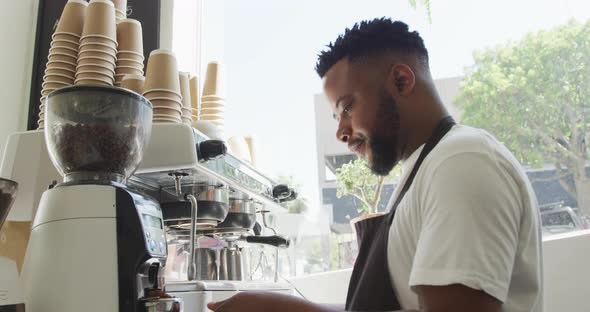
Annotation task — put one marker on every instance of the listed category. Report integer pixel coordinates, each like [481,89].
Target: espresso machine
[215,207]
[106,230]
[96,244]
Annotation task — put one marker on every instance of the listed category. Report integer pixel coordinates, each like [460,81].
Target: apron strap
[439,132]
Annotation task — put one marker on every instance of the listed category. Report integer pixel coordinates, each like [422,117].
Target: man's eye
[346,109]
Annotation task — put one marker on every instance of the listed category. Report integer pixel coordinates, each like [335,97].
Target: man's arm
[455,298]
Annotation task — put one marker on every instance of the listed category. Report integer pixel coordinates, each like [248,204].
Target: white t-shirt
[471,218]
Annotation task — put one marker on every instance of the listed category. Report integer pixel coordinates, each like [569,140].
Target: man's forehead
[338,79]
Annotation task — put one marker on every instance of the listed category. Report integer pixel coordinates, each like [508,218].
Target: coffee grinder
[95,245]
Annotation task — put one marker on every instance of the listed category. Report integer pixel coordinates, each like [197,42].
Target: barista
[462,231]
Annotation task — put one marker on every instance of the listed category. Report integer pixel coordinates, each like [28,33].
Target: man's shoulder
[465,140]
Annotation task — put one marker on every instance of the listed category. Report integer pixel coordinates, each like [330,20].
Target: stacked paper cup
[213,99]
[98,45]
[162,86]
[195,98]
[185,92]
[133,82]
[120,9]
[130,55]
[60,70]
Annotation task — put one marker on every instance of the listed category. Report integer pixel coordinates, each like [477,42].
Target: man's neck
[423,126]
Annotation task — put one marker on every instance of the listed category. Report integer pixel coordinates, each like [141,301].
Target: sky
[270,48]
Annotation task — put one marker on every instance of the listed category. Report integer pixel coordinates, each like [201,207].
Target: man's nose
[344,131]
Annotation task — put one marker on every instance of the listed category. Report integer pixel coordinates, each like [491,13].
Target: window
[517,69]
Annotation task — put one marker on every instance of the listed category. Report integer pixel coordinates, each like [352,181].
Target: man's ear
[401,79]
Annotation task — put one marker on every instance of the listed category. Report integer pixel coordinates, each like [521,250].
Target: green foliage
[427,6]
[534,95]
[355,178]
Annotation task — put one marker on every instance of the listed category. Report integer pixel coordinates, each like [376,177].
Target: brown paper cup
[63,57]
[162,95]
[69,79]
[100,19]
[161,103]
[63,43]
[130,36]
[194,89]
[130,55]
[54,85]
[122,71]
[207,111]
[107,70]
[207,98]
[186,113]
[120,15]
[217,104]
[99,39]
[97,53]
[61,35]
[185,92]
[211,116]
[64,50]
[72,17]
[130,62]
[94,60]
[57,69]
[120,5]
[45,92]
[214,80]
[133,82]
[100,75]
[162,71]
[96,82]
[105,47]
[167,112]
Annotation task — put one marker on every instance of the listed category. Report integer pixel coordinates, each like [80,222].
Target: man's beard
[384,141]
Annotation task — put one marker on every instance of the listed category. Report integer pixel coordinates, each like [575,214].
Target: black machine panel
[140,239]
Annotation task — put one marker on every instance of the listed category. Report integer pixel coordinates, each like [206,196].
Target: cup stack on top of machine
[162,86]
[98,45]
[185,92]
[130,54]
[213,99]
[120,10]
[60,70]
[195,97]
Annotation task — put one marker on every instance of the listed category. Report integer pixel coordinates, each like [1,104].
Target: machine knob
[283,193]
[211,150]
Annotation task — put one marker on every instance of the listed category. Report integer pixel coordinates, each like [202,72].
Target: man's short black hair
[376,36]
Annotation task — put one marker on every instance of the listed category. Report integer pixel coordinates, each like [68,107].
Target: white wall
[566,268]
[18,20]
[566,272]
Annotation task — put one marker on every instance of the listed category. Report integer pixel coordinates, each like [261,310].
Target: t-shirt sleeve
[471,210]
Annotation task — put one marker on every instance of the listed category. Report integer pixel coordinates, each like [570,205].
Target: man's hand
[456,298]
[265,301]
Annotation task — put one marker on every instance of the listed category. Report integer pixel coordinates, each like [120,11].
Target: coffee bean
[98,147]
